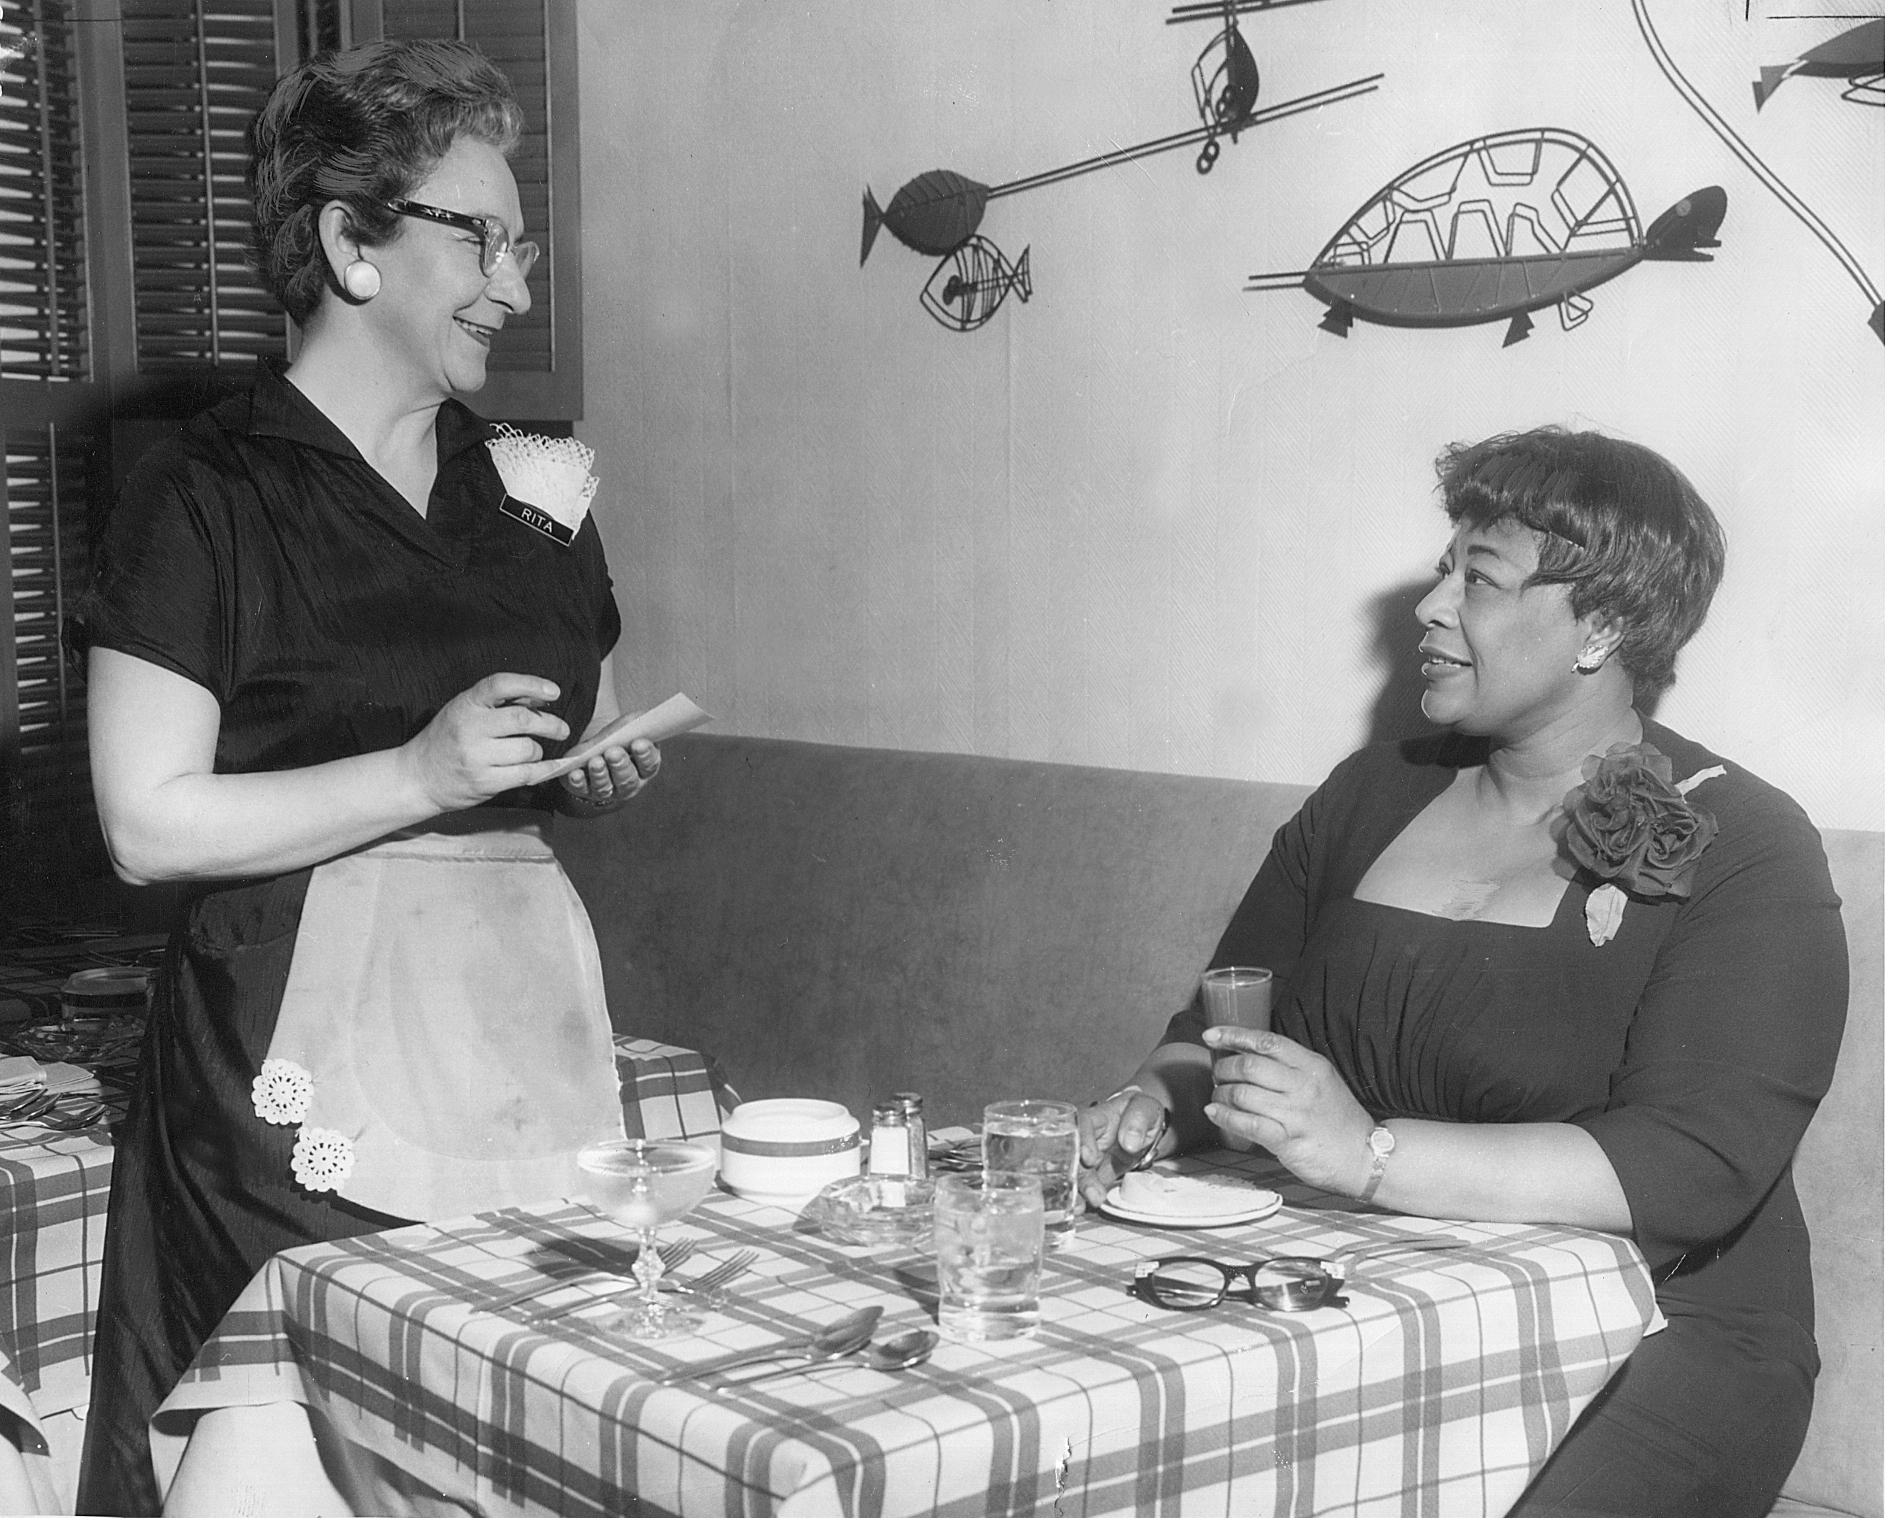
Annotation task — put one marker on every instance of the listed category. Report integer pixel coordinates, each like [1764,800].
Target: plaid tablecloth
[1438,1389]
[53,1192]
[55,1187]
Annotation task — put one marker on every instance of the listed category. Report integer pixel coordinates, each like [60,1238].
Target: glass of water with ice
[988,1255]
[1039,1138]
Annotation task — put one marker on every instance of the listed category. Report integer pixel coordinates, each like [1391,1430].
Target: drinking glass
[1238,995]
[1038,1138]
[643,1183]
[988,1255]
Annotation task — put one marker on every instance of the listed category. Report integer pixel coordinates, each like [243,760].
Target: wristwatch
[1380,1146]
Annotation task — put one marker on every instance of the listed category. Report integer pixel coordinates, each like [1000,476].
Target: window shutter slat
[44,315]
[193,77]
[48,816]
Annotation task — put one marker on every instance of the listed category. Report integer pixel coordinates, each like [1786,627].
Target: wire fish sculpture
[1493,229]
[1856,55]
[969,285]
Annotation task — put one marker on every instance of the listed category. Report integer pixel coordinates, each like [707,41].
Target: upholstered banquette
[847,922]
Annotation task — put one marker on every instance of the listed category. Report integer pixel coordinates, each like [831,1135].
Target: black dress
[1693,1046]
[259,556]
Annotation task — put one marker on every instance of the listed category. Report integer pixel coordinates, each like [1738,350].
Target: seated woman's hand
[1118,1134]
[485,741]
[1288,1099]
[613,775]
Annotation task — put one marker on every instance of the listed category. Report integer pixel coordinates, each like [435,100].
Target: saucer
[1260,1204]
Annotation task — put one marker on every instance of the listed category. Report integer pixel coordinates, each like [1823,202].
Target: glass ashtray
[874,1209]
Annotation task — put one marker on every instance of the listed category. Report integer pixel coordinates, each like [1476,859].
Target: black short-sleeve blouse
[260,556]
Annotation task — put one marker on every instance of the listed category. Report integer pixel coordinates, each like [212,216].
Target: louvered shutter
[49,826]
[43,306]
[194,74]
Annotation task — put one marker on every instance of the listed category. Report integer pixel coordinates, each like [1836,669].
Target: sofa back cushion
[845,923]
[1840,1171]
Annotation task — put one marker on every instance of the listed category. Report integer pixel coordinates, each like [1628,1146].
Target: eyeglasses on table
[1192,1283]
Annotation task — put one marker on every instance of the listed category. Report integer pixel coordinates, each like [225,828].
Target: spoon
[898,1352]
[901,1350]
[847,1335]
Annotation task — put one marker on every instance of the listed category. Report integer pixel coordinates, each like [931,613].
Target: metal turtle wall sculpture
[1493,229]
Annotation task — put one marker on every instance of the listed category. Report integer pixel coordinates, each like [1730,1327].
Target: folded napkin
[21,1074]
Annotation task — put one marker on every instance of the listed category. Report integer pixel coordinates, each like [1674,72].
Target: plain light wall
[1148,519]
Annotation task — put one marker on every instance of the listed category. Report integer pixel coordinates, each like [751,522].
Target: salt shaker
[890,1140]
[912,1105]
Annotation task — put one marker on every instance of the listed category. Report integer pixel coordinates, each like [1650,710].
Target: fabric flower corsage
[282,1091]
[322,1158]
[547,483]
[1631,825]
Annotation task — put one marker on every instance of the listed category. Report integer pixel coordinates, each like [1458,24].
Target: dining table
[55,1188]
[1436,1383]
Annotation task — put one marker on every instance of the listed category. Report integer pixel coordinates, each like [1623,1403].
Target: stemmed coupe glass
[641,1184]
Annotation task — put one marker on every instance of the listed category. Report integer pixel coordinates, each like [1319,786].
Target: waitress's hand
[613,775]
[1288,1099]
[1117,1134]
[485,741]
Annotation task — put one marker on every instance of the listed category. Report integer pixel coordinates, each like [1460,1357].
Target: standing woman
[326,669]
[1556,964]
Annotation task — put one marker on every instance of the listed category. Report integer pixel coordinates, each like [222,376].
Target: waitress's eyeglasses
[494,238]
[1292,1283]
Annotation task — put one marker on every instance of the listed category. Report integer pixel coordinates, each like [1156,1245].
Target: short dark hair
[1619,524]
[363,127]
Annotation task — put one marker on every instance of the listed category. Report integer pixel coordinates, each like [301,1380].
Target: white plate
[1262,1204]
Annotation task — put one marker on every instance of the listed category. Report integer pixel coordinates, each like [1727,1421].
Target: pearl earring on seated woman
[1590,661]
[361,280]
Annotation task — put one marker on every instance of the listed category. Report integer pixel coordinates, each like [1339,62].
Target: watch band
[1380,1146]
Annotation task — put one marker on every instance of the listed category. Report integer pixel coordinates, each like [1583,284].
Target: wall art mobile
[939,212]
[1491,230]
[1856,56]
[1783,192]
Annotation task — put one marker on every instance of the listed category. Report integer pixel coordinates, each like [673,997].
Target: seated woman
[1558,965]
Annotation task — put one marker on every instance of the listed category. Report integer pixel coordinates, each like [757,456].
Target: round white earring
[360,280]
[1589,662]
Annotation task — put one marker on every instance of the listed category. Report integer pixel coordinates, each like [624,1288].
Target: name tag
[540,521]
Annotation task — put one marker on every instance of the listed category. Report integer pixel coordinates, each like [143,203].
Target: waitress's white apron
[445,1002]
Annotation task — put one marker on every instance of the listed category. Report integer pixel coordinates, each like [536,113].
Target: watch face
[1381,1141]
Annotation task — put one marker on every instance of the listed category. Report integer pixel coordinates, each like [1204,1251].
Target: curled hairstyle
[1618,523]
[361,127]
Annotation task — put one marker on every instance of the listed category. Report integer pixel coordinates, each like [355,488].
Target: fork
[26,1108]
[723,1274]
[671,1255]
[705,1284]
[63,1117]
